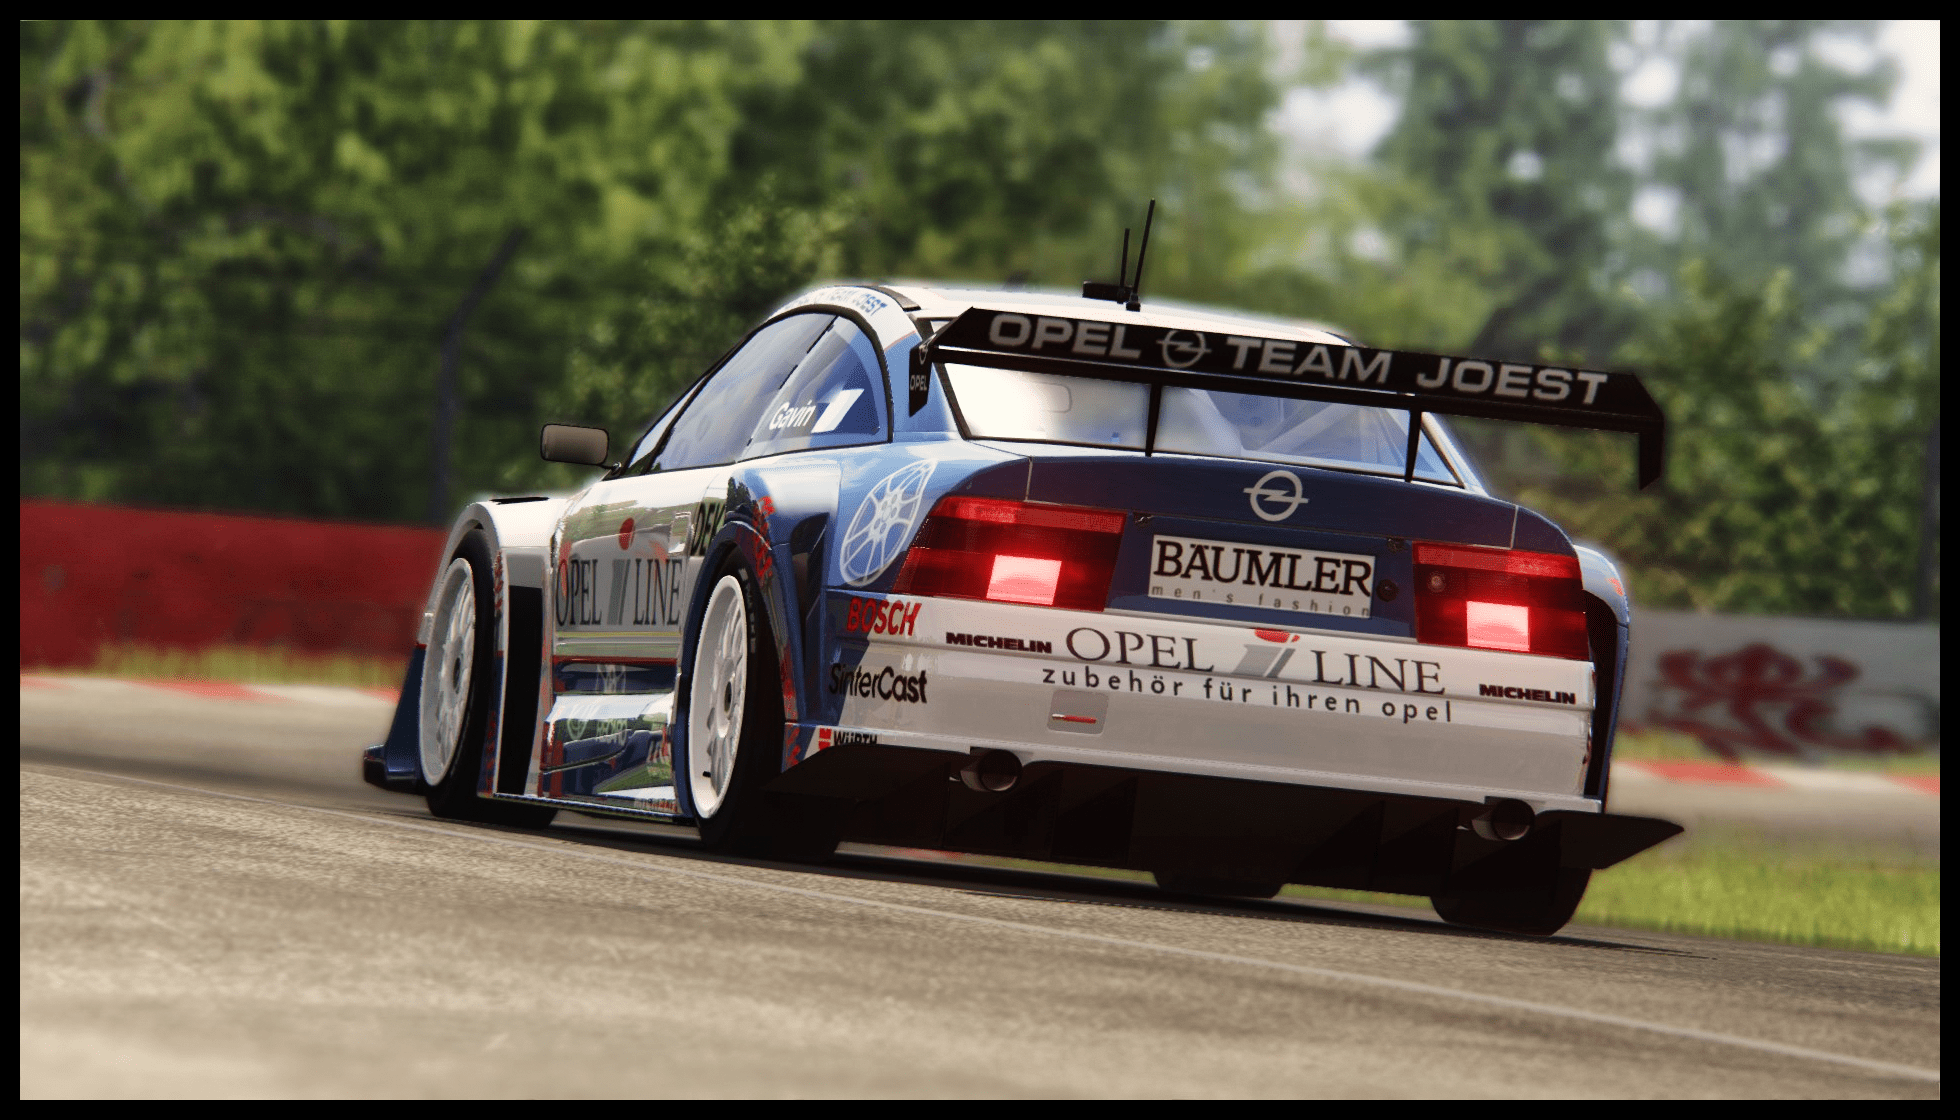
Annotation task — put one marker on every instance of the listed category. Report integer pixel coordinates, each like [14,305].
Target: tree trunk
[452,349]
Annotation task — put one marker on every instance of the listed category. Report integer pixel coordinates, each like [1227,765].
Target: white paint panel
[1212,724]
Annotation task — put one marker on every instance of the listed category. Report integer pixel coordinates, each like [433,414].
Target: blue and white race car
[1213,597]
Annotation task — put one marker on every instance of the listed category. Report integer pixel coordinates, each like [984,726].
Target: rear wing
[1286,367]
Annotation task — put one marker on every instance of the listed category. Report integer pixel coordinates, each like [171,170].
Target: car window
[717,423]
[637,462]
[1279,430]
[1009,404]
[833,399]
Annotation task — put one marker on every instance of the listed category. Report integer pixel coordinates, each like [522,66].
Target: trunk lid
[1266,543]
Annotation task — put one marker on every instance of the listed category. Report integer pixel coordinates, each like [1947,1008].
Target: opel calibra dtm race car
[1211,597]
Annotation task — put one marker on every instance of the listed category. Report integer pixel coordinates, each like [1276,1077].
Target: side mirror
[569,443]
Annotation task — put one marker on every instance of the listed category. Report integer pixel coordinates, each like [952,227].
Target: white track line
[1506,1002]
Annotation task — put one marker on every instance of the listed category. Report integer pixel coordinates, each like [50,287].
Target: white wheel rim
[446,671]
[717,690]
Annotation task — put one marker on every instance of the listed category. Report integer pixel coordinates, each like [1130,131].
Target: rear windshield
[1051,408]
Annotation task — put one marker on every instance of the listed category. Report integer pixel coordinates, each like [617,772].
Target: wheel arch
[519,533]
[1609,625]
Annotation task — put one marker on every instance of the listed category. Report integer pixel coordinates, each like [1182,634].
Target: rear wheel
[456,694]
[1536,909]
[734,725]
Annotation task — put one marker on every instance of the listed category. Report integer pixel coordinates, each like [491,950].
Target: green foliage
[241,243]
[1508,185]
[1753,148]
[1795,351]
[1778,498]
[240,240]
[714,286]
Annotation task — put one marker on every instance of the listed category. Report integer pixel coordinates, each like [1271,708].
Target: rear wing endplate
[1286,367]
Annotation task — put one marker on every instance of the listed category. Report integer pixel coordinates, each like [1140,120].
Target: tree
[242,242]
[1503,178]
[1771,504]
[1752,151]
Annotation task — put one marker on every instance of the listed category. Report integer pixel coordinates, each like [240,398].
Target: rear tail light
[1488,598]
[1014,552]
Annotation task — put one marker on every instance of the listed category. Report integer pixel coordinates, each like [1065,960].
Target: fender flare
[520,532]
[1609,624]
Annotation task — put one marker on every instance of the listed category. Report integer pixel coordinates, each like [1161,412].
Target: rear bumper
[1346,711]
[1272,832]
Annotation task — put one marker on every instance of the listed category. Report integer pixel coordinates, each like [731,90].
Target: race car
[1209,596]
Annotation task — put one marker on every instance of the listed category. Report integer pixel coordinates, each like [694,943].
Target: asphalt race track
[212,904]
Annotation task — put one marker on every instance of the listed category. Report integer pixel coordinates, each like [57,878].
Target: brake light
[1014,552]
[1489,598]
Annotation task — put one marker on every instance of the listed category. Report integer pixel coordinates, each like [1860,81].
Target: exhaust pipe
[1503,819]
[991,771]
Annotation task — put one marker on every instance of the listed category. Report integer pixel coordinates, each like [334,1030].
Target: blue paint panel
[1216,488]
[1535,534]
[1602,581]
[402,751]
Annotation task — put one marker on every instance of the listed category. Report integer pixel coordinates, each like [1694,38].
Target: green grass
[1730,884]
[1667,746]
[247,663]
[1740,885]
[1723,884]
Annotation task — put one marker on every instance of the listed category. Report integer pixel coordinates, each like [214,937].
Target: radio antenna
[1127,290]
[1136,286]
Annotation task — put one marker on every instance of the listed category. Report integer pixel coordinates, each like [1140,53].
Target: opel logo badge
[1276,495]
[1182,352]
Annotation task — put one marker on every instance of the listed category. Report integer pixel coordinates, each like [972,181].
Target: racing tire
[734,728]
[456,693]
[1535,913]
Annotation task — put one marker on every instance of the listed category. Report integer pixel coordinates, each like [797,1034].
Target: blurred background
[345,270]
[292,292]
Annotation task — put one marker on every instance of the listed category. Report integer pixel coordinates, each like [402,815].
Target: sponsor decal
[893,617]
[864,301]
[807,419]
[640,591]
[1504,379]
[1183,349]
[764,559]
[1249,693]
[655,591]
[1086,643]
[1294,359]
[828,737]
[1275,651]
[992,641]
[577,600]
[1264,576]
[1276,495]
[883,523]
[1544,695]
[885,684]
[707,522]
